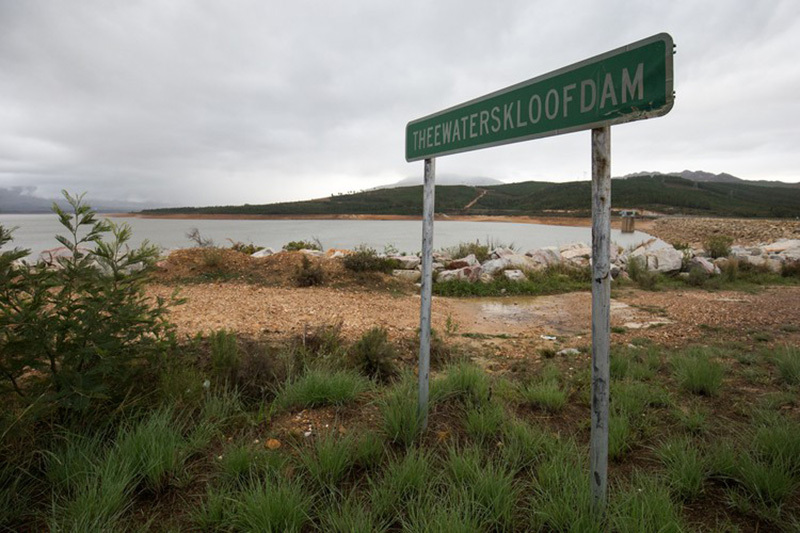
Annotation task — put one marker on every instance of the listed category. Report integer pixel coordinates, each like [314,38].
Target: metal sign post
[426,292]
[630,83]
[601,307]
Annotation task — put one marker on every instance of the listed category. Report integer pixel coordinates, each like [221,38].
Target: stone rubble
[654,254]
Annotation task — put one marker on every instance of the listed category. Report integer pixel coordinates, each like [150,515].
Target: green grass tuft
[272,506]
[644,506]
[547,395]
[685,467]
[787,359]
[317,388]
[329,458]
[698,373]
[483,424]
[398,406]
[463,382]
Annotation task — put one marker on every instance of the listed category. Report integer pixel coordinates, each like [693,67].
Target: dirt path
[512,327]
[473,202]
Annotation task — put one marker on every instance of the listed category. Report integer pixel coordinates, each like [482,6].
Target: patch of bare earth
[510,328]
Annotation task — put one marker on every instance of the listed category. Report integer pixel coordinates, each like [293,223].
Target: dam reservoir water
[37,233]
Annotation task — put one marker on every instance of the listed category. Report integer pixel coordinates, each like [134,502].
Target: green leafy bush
[84,323]
[718,246]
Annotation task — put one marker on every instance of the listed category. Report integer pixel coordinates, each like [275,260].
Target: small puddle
[562,314]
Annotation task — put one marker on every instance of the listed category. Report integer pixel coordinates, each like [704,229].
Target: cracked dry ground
[503,328]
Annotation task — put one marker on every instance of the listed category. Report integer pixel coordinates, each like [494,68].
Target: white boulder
[266,252]
[410,275]
[514,275]
[407,262]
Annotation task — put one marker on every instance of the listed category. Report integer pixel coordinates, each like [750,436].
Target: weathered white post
[601,315]
[426,291]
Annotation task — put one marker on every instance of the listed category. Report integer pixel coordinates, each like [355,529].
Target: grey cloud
[250,101]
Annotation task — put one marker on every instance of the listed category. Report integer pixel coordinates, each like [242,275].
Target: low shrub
[463,249]
[366,259]
[243,248]
[646,279]
[697,276]
[295,246]
[373,355]
[790,269]
[224,355]
[309,273]
[718,246]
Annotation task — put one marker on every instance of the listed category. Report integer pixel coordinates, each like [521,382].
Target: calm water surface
[36,232]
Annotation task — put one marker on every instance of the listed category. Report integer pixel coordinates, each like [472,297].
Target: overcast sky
[234,101]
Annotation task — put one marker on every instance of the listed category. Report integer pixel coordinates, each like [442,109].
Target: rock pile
[654,255]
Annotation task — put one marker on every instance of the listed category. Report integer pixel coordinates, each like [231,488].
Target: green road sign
[630,83]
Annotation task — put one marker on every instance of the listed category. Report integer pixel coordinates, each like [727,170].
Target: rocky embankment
[653,255]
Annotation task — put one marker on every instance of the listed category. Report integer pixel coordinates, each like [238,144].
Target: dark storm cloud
[245,101]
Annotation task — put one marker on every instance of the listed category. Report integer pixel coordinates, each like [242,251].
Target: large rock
[466,274]
[545,257]
[410,275]
[522,262]
[468,261]
[514,275]
[500,253]
[266,252]
[781,246]
[664,259]
[575,250]
[493,266]
[707,266]
[407,262]
[774,265]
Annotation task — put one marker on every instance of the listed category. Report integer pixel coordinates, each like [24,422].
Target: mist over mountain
[710,177]
[22,199]
[413,181]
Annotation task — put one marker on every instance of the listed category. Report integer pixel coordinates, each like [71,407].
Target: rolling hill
[656,192]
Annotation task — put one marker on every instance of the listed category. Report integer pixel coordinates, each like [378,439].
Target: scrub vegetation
[123,426]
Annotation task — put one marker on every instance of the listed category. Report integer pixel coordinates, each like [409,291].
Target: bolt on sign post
[634,82]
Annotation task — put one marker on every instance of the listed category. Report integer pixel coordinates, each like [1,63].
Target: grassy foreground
[322,435]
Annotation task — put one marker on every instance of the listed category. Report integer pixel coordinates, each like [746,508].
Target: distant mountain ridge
[710,177]
[663,193]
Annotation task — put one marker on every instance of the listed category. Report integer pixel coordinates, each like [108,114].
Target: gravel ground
[696,231]
[511,327]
